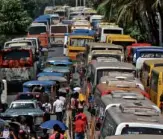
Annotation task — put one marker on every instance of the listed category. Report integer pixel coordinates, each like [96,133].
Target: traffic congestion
[104,84]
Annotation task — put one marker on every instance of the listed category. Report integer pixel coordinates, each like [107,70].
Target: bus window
[109,127]
[141,130]
[154,81]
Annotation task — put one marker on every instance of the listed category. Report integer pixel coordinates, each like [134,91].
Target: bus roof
[157,69]
[150,50]
[80,36]
[135,136]
[119,96]
[113,65]
[98,44]
[120,37]
[135,112]
[154,61]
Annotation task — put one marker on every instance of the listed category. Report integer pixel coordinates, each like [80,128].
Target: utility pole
[84,3]
[160,29]
[54,2]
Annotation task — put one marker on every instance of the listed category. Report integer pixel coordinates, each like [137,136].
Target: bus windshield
[79,42]
[15,55]
[37,30]
[61,13]
[151,54]
[123,43]
[58,29]
[112,31]
[142,130]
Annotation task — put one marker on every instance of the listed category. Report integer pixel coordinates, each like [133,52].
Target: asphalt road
[54,51]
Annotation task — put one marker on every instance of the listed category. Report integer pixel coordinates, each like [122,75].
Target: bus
[148,65]
[156,86]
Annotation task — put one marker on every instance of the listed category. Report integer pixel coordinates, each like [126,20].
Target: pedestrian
[47,108]
[45,134]
[22,134]
[74,104]
[63,99]
[79,128]
[84,117]
[38,88]
[80,105]
[56,133]
[58,105]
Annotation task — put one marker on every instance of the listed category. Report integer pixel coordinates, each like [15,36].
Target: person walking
[58,106]
[79,128]
[47,108]
[83,117]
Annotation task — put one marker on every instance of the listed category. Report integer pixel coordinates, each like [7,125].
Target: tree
[13,18]
[140,13]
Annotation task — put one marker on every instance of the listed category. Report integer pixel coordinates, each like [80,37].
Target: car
[27,108]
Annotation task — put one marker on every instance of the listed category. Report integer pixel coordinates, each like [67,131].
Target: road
[54,51]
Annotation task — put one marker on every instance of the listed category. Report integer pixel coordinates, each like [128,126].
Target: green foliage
[13,18]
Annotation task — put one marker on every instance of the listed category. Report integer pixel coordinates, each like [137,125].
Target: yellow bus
[156,85]
[77,44]
[119,39]
[147,69]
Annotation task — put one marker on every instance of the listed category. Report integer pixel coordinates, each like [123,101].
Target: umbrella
[49,124]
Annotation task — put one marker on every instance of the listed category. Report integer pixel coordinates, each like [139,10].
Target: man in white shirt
[58,105]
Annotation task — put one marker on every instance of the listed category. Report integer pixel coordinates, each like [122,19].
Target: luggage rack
[108,59]
[137,108]
[121,83]
[127,95]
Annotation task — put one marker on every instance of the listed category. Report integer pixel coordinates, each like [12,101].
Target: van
[132,118]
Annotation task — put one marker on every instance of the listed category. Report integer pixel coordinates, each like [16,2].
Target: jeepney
[107,54]
[40,31]
[98,69]
[77,44]
[105,29]
[120,39]
[147,67]
[57,34]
